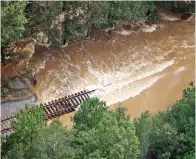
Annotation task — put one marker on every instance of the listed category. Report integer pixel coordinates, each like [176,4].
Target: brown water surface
[143,70]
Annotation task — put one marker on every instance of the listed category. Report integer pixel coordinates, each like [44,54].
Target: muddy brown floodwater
[143,70]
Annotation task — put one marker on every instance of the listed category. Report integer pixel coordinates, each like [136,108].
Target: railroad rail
[52,109]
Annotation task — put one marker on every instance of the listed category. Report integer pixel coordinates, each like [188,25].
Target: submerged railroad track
[52,109]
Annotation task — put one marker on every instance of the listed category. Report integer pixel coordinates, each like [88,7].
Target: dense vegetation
[12,21]
[99,133]
[170,133]
[60,21]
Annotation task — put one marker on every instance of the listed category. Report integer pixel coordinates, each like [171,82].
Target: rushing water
[146,70]
[120,67]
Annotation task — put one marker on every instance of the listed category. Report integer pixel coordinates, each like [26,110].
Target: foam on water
[185,44]
[180,69]
[114,88]
[169,17]
[118,94]
[149,29]
[124,32]
[123,74]
[40,66]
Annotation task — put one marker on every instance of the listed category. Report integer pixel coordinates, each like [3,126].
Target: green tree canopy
[52,141]
[90,114]
[12,21]
[169,134]
[26,125]
[143,126]
[104,134]
[97,133]
[43,19]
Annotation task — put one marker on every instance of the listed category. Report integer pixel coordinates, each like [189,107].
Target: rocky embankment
[16,96]
[16,87]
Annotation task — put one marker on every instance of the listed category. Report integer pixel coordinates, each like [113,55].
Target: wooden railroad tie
[52,109]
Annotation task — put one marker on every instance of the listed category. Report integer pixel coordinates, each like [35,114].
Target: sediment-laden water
[145,70]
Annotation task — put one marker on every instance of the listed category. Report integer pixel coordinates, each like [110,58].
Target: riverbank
[16,94]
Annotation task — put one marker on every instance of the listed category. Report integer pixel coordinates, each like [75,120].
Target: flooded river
[143,70]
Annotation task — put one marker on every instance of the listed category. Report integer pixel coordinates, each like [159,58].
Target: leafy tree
[52,142]
[98,13]
[82,17]
[16,152]
[131,10]
[184,7]
[172,134]
[27,124]
[43,18]
[12,21]
[75,20]
[104,134]
[187,7]
[190,155]
[97,133]
[164,141]
[143,126]
[90,113]
[190,8]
